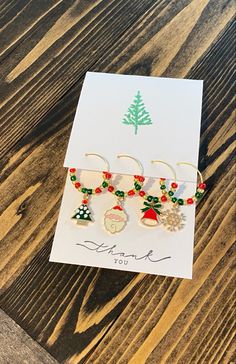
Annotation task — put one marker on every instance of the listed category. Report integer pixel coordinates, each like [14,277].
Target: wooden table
[88,315]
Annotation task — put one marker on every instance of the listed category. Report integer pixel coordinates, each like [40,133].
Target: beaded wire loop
[167,195]
[115,219]
[89,191]
[106,175]
[153,204]
[138,181]
[199,190]
[82,215]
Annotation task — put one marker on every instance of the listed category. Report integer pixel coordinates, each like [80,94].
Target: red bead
[190,201]
[72,170]
[117,207]
[98,190]
[85,202]
[77,185]
[131,193]
[202,186]
[141,179]
[110,188]
[107,175]
[142,193]
[174,185]
[163,198]
[162,179]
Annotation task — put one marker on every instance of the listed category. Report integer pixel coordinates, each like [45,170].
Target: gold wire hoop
[101,157]
[168,165]
[192,165]
[135,159]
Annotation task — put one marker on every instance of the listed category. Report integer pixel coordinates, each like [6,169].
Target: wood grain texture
[56,49]
[89,315]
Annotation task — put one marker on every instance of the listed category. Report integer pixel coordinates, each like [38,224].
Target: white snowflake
[172,219]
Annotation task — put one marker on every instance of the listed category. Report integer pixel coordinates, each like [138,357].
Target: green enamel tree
[82,215]
[136,114]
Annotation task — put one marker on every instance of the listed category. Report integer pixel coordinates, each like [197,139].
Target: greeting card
[129,199]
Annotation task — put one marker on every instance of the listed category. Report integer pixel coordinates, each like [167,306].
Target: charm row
[153,210]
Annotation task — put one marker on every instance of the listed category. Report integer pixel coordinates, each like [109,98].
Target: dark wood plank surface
[89,315]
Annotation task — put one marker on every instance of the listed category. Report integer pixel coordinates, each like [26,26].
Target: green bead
[163,187]
[84,190]
[137,187]
[73,178]
[180,201]
[90,191]
[171,193]
[104,184]
[198,195]
[117,193]
[122,193]
[155,199]
[174,199]
[150,198]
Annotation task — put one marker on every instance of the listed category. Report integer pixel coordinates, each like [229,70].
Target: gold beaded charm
[82,215]
[115,219]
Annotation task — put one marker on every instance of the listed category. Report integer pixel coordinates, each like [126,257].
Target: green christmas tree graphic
[136,114]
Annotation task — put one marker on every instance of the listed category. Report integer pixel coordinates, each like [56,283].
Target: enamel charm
[115,219]
[82,214]
[151,214]
[173,219]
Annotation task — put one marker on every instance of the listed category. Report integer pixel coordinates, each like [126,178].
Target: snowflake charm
[172,219]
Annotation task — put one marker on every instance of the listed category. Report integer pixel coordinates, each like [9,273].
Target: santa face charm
[151,212]
[82,214]
[115,219]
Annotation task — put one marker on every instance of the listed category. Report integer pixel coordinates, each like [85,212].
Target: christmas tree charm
[115,219]
[172,219]
[82,214]
[151,212]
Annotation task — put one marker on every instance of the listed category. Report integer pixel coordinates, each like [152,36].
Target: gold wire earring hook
[135,159]
[100,156]
[168,165]
[193,166]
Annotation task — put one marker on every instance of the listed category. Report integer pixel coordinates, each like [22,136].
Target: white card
[166,128]
[174,106]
